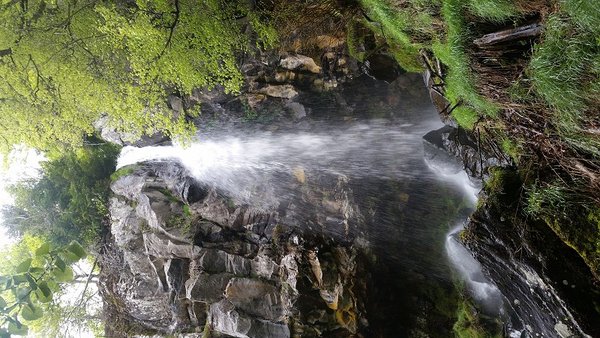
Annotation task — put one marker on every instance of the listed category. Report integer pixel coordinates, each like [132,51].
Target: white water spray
[243,164]
[482,290]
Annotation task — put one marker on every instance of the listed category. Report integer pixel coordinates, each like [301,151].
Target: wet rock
[297,109]
[328,42]
[523,257]
[207,287]
[110,134]
[382,67]
[452,149]
[299,62]
[287,76]
[254,100]
[214,95]
[225,319]
[218,261]
[255,297]
[176,103]
[299,174]
[280,91]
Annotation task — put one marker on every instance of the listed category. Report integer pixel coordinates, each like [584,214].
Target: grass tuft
[585,13]
[460,82]
[493,10]
[564,70]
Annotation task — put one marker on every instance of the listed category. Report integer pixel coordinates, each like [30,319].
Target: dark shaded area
[524,257]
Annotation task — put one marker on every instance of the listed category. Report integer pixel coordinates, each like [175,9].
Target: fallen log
[507,35]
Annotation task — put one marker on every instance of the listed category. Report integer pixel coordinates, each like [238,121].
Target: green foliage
[585,14]
[186,211]
[571,215]
[353,40]
[552,198]
[64,64]
[493,10]
[565,69]
[69,201]
[465,117]
[460,85]
[28,285]
[405,29]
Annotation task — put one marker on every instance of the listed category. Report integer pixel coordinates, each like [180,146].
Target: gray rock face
[452,149]
[190,260]
[110,134]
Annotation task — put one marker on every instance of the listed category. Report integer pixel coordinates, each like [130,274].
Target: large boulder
[193,259]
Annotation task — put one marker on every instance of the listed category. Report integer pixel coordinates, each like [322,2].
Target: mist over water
[238,163]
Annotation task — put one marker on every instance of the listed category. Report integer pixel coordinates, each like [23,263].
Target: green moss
[408,57]
[465,117]
[124,171]
[407,30]
[186,210]
[468,323]
[182,222]
[353,40]
[573,217]
[512,148]
[495,182]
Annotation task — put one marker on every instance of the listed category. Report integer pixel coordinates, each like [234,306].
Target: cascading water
[410,206]
[239,164]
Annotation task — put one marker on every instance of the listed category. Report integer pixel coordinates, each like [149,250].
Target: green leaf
[22,294]
[36,269]
[24,266]
[45,289]
[60,263]
[69,257]
[63,276]
[44,249]
[43,293]
[53,286]
[4,333]
[2,303]
[77,249]
[32,283]
[17,329]
[31,312]
[18,279]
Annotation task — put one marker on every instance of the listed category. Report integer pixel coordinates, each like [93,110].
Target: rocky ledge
[183,258]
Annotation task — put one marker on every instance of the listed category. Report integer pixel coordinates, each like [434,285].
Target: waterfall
[241,163]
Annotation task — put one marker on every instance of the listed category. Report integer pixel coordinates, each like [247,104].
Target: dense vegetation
[30,280]
[64,64]
[69,202]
